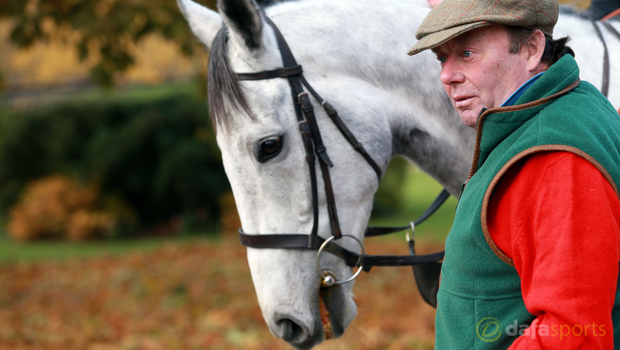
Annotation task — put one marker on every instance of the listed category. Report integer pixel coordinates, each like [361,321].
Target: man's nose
[450,73]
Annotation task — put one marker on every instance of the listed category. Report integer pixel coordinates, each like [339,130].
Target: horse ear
[204,23]
[243,18]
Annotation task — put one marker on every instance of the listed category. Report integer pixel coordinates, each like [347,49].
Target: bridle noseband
[314,147]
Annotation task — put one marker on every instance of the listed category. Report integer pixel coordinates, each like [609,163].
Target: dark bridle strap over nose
[314,147]
[300,241]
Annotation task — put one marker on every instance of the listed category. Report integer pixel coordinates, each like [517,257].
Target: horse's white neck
[390,87]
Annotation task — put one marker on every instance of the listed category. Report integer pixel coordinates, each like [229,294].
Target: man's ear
[535,51]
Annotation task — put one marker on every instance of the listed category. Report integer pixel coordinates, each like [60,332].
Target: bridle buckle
[305,93]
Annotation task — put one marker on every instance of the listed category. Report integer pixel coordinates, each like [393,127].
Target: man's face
[478,71]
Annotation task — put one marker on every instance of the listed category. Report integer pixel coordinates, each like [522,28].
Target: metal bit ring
[327,280]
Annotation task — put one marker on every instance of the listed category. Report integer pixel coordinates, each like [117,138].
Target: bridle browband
[314,147]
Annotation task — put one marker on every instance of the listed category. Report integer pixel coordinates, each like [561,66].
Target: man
[598,9]
[536,237]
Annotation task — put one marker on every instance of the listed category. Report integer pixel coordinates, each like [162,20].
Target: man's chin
[469,117]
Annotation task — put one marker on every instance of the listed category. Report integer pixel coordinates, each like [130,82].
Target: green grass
[12,251]
[419,191]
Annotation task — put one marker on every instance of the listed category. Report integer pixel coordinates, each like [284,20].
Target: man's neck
[521,90]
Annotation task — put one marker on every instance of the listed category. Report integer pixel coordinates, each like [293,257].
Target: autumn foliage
[107,31]
[229,218]
[152,154]
[57,207]
[193,295]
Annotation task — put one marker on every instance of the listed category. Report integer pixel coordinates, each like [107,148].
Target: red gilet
[557,217]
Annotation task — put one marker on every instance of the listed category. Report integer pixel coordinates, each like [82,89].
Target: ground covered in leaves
[187,296]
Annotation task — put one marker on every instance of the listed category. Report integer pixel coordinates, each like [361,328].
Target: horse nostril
[290,331]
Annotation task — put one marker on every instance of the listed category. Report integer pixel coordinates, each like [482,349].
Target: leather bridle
[314,147]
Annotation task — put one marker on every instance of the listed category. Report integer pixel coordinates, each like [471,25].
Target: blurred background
[117,225]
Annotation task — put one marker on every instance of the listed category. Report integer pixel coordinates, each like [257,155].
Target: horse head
[265,160]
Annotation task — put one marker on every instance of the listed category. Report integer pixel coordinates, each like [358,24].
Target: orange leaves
[57,207]
[229,219]
[84,224]
[183,296]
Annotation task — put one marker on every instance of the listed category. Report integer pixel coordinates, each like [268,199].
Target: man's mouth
[462,101]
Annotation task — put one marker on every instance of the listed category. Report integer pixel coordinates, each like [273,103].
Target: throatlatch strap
[379,231]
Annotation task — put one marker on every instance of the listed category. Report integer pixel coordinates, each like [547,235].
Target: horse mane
[223,88]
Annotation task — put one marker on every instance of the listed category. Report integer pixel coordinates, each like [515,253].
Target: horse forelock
[225,94]
[226,98]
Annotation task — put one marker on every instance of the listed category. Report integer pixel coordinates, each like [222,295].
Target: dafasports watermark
[489,329]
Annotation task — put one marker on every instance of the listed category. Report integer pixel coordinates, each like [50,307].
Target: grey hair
[223,89]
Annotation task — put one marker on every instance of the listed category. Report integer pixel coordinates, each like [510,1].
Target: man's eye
[466,53]
[441,59]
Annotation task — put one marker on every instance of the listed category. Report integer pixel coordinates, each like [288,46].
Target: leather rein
[603,21]
[314,147]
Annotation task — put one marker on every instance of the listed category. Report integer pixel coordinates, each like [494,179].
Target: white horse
[353,52]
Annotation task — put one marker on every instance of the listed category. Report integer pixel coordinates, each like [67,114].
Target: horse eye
[269,148]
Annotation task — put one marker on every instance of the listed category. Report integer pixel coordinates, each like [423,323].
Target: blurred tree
[390,197]
[153,159]
[106,29]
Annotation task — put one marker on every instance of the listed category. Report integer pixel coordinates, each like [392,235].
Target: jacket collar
[559,79]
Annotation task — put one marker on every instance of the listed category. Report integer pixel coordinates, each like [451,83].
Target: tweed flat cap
[452,18]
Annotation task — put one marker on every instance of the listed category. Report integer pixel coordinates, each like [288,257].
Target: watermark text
[489,329]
